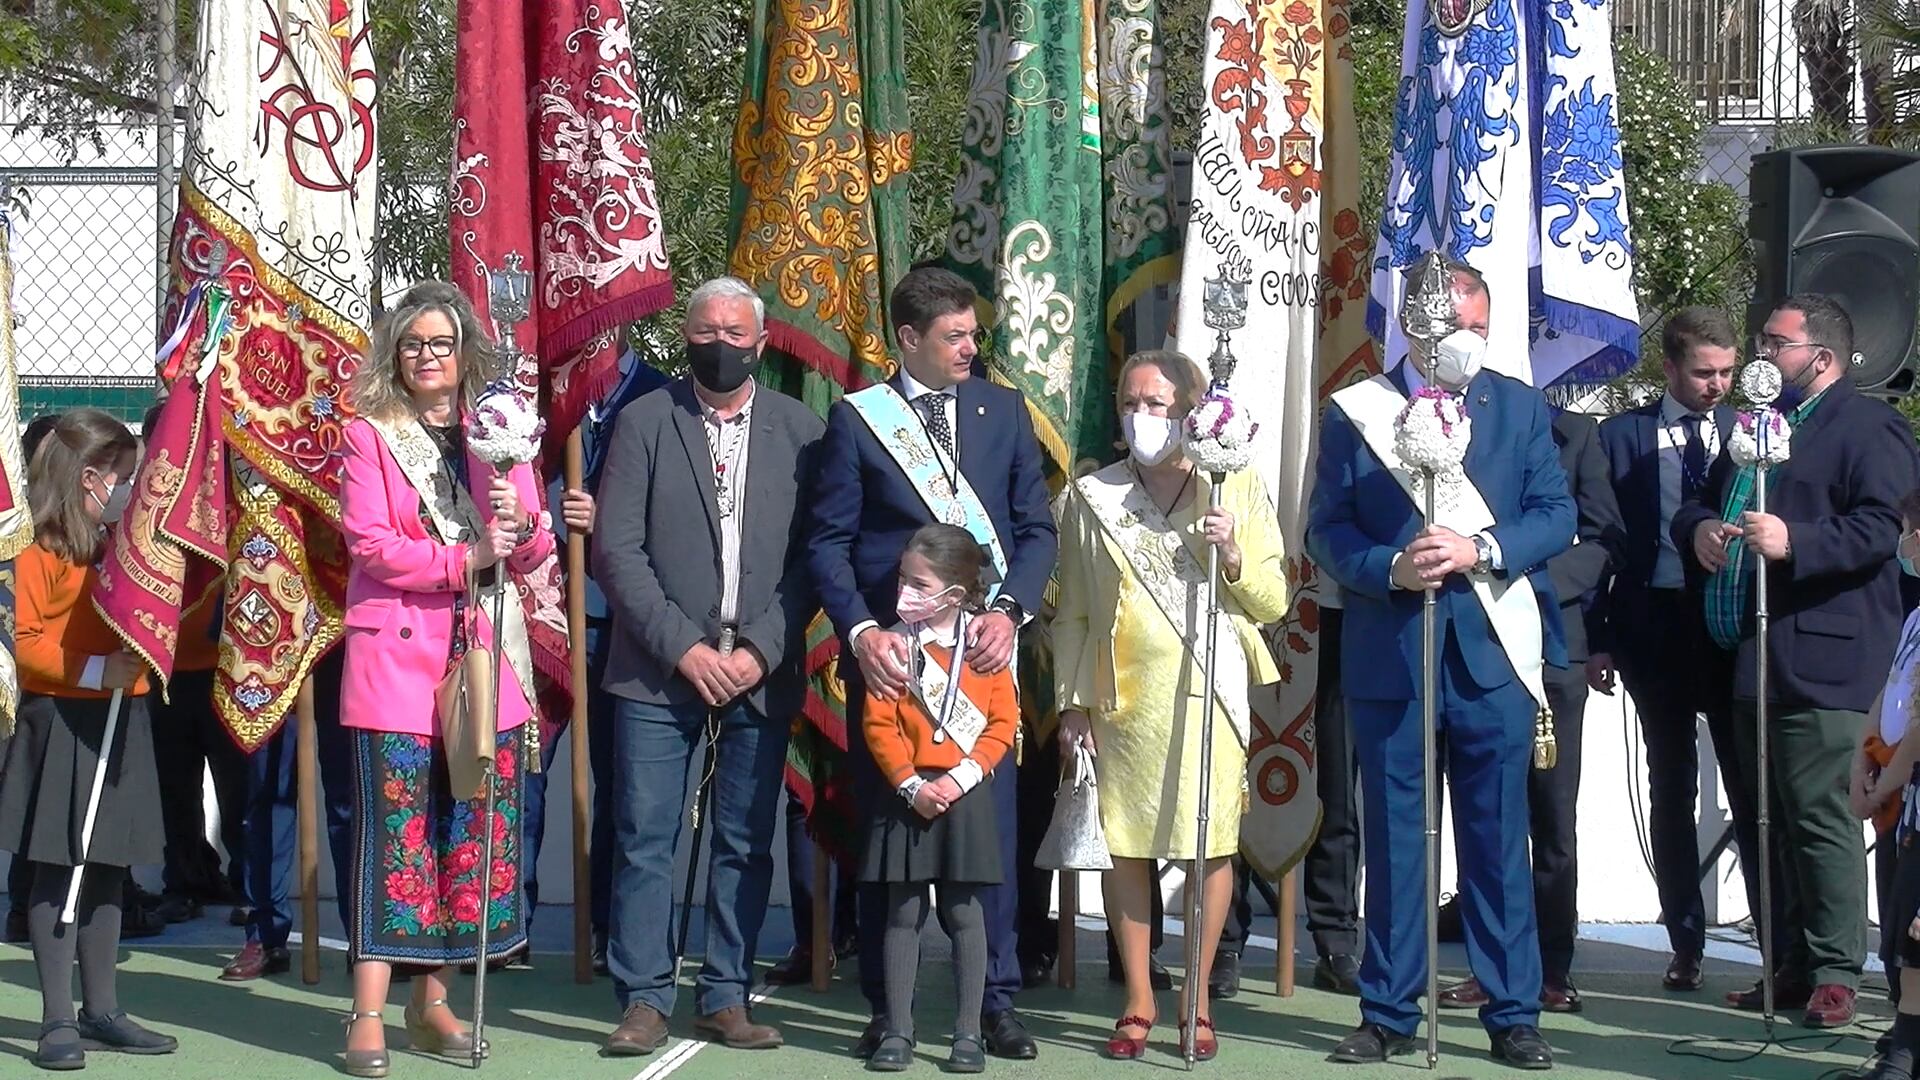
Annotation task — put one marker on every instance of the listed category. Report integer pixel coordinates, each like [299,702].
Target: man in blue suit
[867,504]
[1366,530]
[1650,628]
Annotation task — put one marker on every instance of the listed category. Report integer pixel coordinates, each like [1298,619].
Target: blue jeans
[653,745]
[600,761]
[272,807]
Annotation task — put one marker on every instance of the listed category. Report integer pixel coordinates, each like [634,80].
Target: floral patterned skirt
[418,851]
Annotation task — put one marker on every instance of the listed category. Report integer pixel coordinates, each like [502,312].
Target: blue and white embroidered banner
[1507,156]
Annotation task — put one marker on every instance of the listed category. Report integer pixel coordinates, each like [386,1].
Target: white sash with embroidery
[1511,604]
[454,516]
[934,476]
[955,715]
[1173,575]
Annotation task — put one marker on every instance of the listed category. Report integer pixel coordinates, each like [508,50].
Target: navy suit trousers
[1486,743]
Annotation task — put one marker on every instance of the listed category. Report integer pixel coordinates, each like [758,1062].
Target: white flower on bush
[1430,436]
[504,429]
[1757,437]
[1218,434]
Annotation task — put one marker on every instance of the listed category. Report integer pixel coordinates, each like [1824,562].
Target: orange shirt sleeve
[887,739]
[45,590]
[1003,722]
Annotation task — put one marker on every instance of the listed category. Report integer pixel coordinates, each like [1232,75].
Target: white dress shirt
[727,445]
[1671,442]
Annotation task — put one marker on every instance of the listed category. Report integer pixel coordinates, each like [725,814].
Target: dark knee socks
[94,938]
[965,920]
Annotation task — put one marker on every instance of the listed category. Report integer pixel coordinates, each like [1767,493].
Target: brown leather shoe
[1561,997]
[1830,1007]
[734,1027]
[642,1031]
[1683,974]
[254,961]
[1789,992]
[1466,995]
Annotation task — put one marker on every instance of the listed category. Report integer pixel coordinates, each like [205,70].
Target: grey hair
[1177,367]
[379,390]
[725,287]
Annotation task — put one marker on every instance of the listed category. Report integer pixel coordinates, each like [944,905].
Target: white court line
[684,1052]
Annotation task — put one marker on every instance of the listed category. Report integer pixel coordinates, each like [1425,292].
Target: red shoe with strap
[1125,1048]
[1202,1051]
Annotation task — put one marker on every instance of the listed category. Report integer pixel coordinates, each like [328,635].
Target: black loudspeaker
[1844,221]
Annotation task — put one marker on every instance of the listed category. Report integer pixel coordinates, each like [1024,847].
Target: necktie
[933,410]
[1693,457]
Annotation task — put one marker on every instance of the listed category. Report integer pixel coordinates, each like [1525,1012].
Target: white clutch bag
[1075,840]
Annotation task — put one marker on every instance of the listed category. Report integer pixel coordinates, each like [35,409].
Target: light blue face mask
[1907,567]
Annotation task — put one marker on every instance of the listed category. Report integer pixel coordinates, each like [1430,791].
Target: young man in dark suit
[1553,794]
[867,504]
[1828,540]
[700,548]
[1648,628]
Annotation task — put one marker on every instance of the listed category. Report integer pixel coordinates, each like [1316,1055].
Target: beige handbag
[464,704]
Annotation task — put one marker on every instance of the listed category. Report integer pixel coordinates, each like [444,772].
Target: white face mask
[116,503]
[1150,438]
[1457,359]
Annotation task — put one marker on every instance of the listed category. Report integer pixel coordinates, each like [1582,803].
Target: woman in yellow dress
[1127,639]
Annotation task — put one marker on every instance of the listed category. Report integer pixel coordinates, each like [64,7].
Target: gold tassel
[1020,743]
[533,744]
[1546,749]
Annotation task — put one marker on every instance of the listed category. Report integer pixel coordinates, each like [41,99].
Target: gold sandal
[372,1064]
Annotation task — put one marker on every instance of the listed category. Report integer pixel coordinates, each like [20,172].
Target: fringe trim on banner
[1149,275]
[807,349]
[578,331]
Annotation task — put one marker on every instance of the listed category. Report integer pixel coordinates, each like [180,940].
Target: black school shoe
[1370,1044]
[967,1055]
[117,1031]
[60,1049]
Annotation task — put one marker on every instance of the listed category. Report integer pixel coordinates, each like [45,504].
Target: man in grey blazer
[700,551]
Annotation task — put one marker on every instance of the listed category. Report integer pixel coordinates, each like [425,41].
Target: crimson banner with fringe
[551,164]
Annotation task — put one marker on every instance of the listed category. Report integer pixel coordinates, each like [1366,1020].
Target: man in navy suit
[1651,629]
[1827,541]
[865,508]
[1366,530]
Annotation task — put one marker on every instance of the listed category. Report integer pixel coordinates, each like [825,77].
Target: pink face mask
[918,605]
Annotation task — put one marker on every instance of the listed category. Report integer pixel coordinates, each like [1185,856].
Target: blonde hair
[379,391]
[79,440]
[1177,368]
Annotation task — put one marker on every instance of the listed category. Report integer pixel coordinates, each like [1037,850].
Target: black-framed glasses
[1768,349]
[439,348]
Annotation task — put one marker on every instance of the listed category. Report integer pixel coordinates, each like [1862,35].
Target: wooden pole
[306,738]
[1064,962]
[577,729]
[1285,939]
[823,907]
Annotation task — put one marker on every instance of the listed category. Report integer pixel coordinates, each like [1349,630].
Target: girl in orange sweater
[70,663]
[937,747]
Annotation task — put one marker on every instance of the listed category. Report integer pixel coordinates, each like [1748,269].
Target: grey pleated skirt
[48,775]
[961,845]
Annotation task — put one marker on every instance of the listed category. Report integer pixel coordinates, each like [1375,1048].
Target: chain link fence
[81,219]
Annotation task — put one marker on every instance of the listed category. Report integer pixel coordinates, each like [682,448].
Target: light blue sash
[934,476]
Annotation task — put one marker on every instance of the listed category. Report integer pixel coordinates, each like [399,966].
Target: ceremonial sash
[1173,575]
[451,510]
[934,476]
[1511,605]
[955,715]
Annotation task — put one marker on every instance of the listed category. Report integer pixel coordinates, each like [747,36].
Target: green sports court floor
[543,1025]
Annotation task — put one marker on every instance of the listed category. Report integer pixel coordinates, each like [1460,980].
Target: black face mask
[721,366]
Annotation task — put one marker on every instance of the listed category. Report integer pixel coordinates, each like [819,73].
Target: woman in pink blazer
[430,529]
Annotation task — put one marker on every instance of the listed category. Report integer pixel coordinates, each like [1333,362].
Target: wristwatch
[1011,608]
[1483,563]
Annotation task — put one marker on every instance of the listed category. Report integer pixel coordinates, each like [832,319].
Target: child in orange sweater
[70,664]
[937,747]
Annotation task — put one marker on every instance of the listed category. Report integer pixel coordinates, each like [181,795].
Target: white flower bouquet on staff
[1760,438]
[1430,436]
[1218,434]
[504,429]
